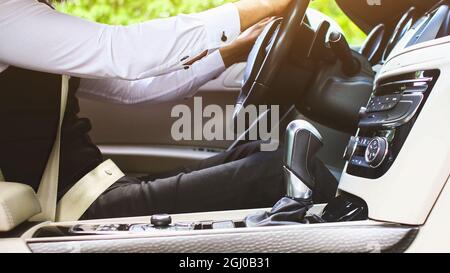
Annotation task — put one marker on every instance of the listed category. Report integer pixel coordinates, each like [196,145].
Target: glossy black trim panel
[394,123]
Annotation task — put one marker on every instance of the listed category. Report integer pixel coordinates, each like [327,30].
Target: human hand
[238,50]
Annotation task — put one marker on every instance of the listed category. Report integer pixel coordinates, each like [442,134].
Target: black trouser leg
[240,179]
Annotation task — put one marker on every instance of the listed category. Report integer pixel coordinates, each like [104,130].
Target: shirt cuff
[211,65]
[207,69]
[223,25]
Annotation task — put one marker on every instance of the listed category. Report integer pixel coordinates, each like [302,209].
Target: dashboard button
[359,161]
[184,226]
[376,152]
[364,141]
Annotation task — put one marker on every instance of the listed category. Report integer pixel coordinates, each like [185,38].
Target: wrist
[231,54]
[227,56]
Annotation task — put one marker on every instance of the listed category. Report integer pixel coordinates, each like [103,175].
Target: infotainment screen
[436,25]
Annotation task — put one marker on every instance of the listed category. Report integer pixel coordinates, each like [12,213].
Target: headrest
[18,203]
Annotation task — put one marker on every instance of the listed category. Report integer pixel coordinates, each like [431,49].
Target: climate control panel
[367,152]
[386,122]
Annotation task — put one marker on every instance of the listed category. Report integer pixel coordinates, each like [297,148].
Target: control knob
[377,151]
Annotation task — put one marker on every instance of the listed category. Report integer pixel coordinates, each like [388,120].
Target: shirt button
[224,37]
[184,58]
[186,67]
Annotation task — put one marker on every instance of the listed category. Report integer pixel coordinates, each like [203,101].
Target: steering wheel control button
[376,152]
[161,220]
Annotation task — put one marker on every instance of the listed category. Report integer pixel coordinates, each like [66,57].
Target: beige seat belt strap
[48,189]
[84,193]
[81,196]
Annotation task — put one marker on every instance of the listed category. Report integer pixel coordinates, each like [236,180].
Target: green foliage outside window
[124,12]
[330,8]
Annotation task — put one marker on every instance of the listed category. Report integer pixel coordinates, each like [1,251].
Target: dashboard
[387,120]
[398,161]
[412,29]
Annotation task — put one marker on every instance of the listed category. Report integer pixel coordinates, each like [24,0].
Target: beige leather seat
[18,203]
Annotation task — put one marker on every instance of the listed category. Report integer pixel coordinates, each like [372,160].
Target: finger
[267,21]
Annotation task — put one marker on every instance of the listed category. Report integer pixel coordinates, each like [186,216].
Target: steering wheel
[267,57]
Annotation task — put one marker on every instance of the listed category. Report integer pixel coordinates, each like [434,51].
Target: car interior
[379,113]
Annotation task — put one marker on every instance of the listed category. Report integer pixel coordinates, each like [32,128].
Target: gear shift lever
[303,141]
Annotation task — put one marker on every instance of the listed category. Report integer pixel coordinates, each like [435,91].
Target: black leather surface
[286,212]
[306,146]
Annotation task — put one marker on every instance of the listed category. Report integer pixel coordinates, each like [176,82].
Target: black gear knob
[303,142]
[341,48]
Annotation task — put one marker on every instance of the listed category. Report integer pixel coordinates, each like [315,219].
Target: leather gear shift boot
[286,212]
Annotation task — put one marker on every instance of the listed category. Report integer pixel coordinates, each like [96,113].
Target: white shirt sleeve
[38,38]
[173,86]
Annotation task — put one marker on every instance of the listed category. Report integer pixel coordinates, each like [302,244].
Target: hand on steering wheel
[269,53]
[238,51]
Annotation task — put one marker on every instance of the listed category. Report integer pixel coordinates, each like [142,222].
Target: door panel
[121,129]
[140,160]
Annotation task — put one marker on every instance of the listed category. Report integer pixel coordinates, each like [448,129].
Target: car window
[124,12]
[353,33]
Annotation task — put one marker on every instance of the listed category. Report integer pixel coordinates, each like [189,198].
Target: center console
[387,121]
[398,161]
[159,223]
[303,141]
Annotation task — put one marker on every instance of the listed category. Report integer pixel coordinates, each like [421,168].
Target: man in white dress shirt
[156,61]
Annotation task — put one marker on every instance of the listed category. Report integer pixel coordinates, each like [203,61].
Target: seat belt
[84,193]
[81,196]
[48,188]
